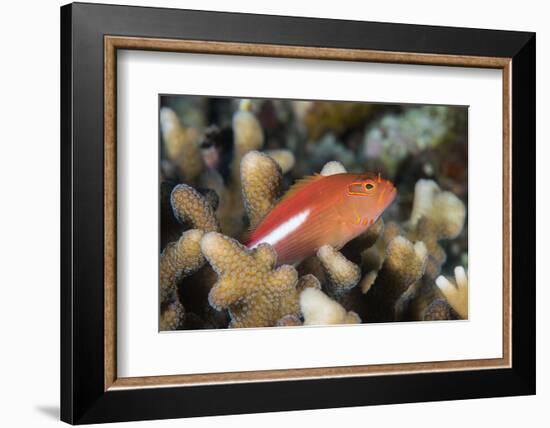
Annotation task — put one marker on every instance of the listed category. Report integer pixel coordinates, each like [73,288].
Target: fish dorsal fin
[300,184]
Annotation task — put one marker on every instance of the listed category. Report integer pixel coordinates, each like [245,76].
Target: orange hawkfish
[321,210]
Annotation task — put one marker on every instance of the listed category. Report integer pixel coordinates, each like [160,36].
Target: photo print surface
[292,213]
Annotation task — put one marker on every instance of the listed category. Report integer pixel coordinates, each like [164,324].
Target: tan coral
[424,193]
[256,294]
[366,282]
[178,260]
[261,184]
[342,273]
[289,321]
[371,239]
[181,145]
[172,313]
[319,309]
[438,310]
[436,215]
[457,293]
[404,264]
[248,135]
[284,158]
[307,281]
[190,207]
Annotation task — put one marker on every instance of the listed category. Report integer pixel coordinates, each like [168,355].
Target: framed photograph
[274,213]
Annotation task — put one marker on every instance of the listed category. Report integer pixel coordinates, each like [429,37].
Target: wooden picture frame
[90,389]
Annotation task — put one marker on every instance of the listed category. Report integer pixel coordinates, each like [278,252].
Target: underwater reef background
[225,163]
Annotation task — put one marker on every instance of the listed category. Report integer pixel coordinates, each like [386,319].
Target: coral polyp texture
[456,293]
[191,207]
[404,264]
[436,216]
[178,260]
[342,273]
[261,179]
[248,134]
[255,292]
[228,165]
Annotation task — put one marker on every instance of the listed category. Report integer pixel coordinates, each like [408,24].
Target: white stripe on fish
[283,230]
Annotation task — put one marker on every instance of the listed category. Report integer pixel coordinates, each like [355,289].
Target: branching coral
[436,215]
[181,145]
[178,260]
[172,313]
[170,229]
[457,293]
[256,294]
[289,321]
[247,135]
[342,273]
[438,310]
[404,264]
[261,183]
[319,309]
[307,281]
[386,274]
[284,158]
[183,257]
[190,207]
[361,248]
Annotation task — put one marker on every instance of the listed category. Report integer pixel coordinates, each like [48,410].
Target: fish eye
[369,186]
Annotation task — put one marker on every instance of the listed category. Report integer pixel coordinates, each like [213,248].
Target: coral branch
[404,264]
[438,310]
[181,145]
[190,207]
[319,309]
[178,260]
[248,135]
[172,313]
[436,215]
[343,274]
[307,281]
[256,294]
[456,294]
[284,158]
[261,184]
